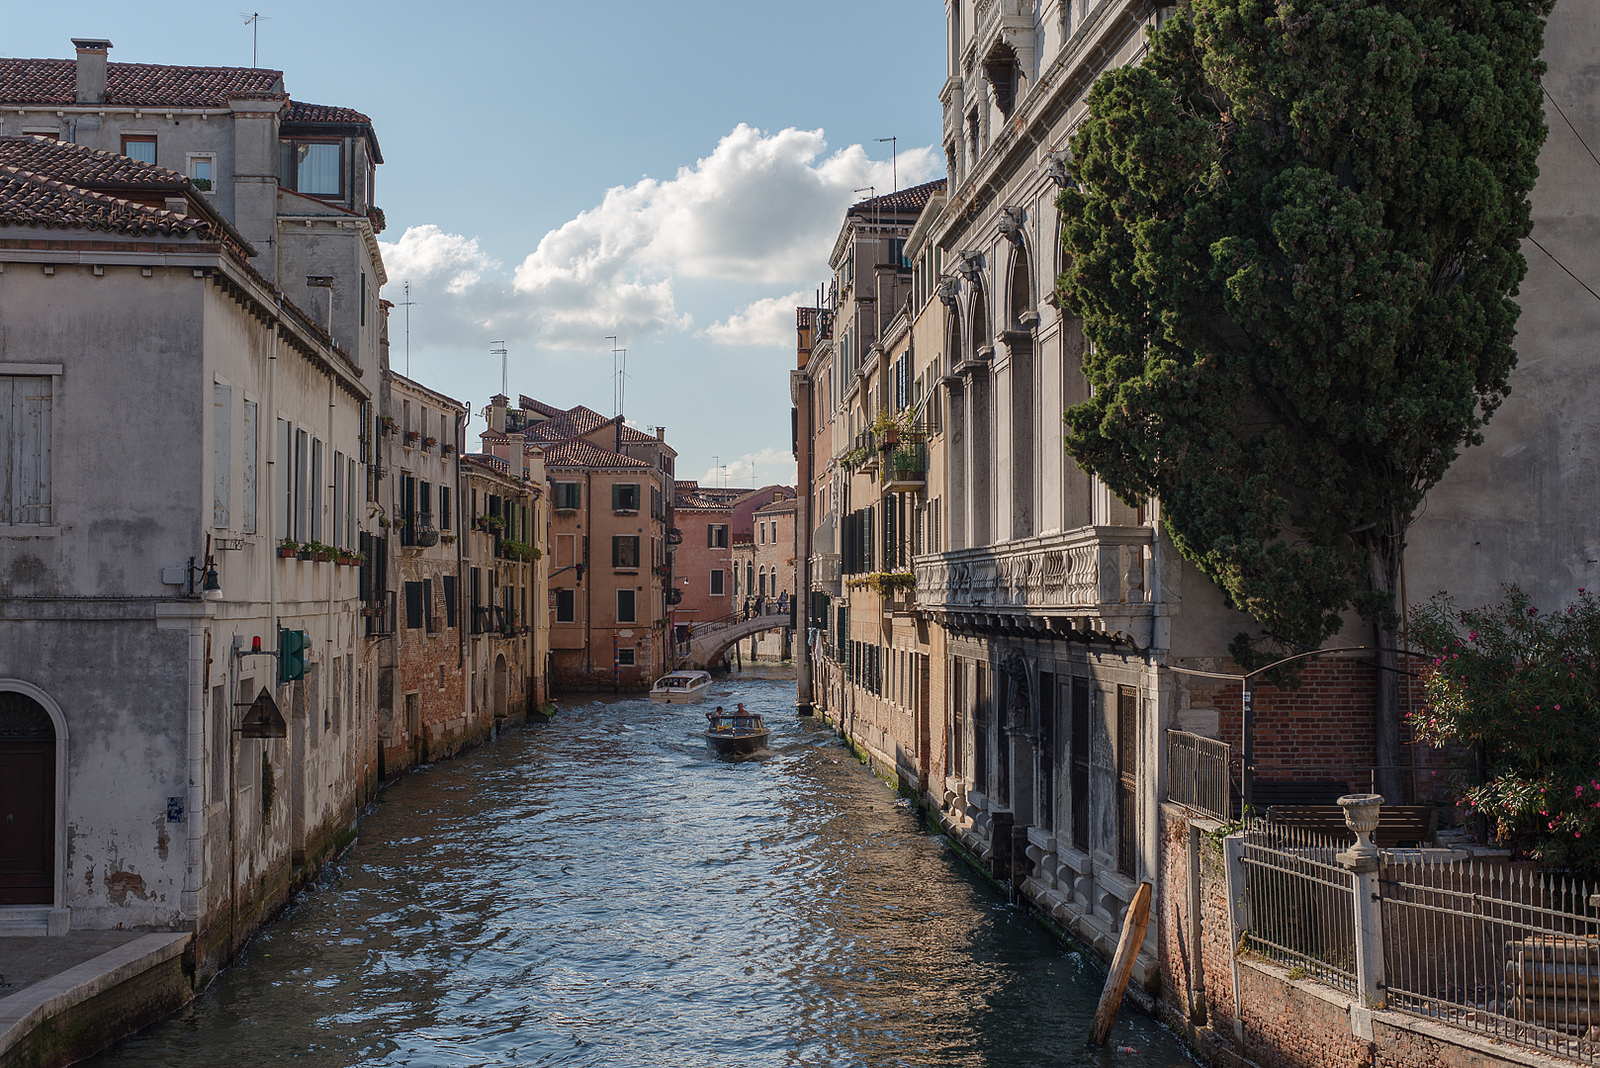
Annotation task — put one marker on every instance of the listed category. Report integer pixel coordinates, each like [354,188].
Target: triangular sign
[263,720]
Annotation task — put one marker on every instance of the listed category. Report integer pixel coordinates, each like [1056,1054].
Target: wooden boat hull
[731,743]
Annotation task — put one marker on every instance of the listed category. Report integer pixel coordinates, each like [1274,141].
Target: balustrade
[1088,568]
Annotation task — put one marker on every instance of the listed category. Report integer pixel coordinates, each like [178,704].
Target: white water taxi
[681,687]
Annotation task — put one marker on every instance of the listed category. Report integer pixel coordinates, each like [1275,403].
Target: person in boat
[713,715]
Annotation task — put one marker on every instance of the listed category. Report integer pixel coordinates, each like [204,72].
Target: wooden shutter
[450,593]
[221,452]
[250,462]
[1080,764]
[1127,778]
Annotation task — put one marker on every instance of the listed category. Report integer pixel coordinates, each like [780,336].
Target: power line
[1563,266]
[1571,127]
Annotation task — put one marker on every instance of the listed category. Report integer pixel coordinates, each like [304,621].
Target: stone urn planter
[1361,816]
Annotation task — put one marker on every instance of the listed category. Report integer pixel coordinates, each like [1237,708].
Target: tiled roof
[301,112]
[912,200]
[30,199]
[532,405]
[785,505]
[55,81]
[86,167]
[576,452]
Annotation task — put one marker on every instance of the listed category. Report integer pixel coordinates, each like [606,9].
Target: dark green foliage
[1524,686]
[1294,246]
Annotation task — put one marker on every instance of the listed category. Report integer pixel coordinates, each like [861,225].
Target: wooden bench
[1398,825]
[1309,792]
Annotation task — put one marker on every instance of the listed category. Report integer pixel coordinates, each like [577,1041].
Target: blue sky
[672,173]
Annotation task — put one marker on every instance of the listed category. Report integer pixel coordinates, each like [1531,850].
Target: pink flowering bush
[1525,686]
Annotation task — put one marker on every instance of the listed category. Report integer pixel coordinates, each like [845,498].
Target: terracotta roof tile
[30,199]
[55,81]
[324,113]
[911,200]
[576,452]
[88,168]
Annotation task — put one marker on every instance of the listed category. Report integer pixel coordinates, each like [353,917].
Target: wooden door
[27,802]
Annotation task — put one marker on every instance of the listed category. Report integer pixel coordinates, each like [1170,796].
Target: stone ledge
[28,1008]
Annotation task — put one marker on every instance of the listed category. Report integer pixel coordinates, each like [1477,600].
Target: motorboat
[681,687]
[736,732]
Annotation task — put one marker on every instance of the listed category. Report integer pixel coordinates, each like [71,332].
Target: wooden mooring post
[1133,928]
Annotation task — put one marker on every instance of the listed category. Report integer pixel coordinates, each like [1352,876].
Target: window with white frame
[718,583]
[25,407]
[202,170]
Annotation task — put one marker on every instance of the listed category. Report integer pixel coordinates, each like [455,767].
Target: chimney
[91,69]
[497,412]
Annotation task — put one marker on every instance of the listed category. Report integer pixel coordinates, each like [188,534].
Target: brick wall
[1323,730]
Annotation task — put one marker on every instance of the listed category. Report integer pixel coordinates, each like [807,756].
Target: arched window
[952,342]
[980,321]
[1021,286]
[761,580]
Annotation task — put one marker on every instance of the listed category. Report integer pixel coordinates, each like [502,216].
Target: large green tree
[1294,243]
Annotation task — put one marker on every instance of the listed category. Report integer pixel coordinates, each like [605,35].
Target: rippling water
[603,891]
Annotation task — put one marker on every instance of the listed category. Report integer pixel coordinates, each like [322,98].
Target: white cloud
[754,469]
[769,321]
[760,208]
[426,255]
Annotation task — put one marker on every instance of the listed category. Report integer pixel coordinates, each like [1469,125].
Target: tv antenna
[253,20]
[894,159]
[406,304]
[498,348]
[619,376]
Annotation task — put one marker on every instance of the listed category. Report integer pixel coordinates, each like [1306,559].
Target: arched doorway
[500,688]
[27,801]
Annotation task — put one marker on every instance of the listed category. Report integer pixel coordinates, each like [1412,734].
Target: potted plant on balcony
[288,548]
[412,437]
[388,424]
[428,443]
[447,449]
[886,428]
[855,457]
[905,462]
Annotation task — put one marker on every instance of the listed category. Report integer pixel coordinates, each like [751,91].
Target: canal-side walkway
[64,997]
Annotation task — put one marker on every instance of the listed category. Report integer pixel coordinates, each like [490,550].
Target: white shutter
[247,471]
[336,506]
[222,453]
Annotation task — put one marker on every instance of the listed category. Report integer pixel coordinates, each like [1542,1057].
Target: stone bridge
[711,639]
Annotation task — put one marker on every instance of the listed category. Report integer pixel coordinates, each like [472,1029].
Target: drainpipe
[588,592]
[199,678]
[327,660]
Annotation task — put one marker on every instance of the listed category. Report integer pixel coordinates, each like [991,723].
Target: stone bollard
[1363,860]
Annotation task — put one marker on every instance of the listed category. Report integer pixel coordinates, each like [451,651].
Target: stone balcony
[1091,580]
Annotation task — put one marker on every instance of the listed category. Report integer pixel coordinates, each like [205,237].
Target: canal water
[602,891]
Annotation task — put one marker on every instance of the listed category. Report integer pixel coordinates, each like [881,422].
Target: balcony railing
[379,613]
[1198,774]
[1098,570]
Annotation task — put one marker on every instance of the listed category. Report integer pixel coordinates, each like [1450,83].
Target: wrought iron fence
[1198,774]
[1300,903]
[1496,948]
